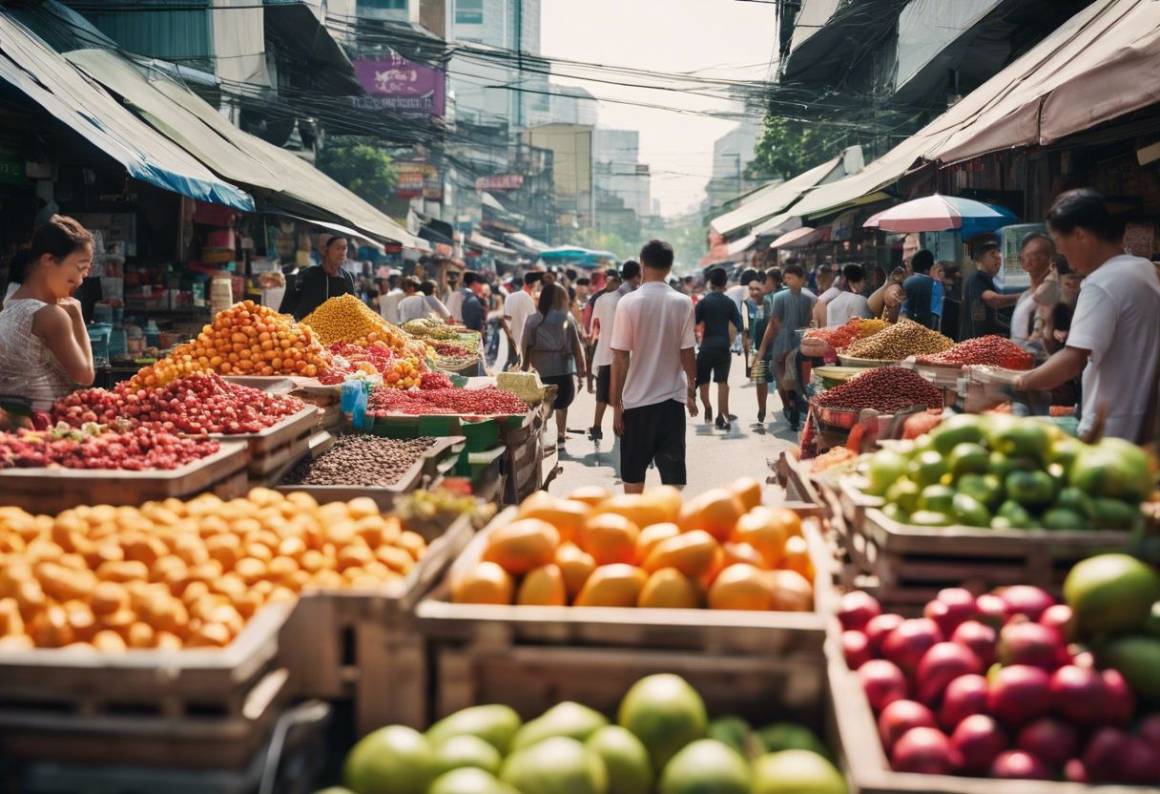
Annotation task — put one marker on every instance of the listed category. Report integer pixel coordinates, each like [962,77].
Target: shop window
[469,12]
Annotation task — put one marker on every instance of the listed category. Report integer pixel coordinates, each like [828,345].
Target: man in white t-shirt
[389,303]
[738,293]
[517,308]
[1115,332]
[653,373]
[1035,253]
[850,302]
[603,322]
[828,289]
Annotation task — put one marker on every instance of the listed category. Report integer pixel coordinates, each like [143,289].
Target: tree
[360,167]
[789,147]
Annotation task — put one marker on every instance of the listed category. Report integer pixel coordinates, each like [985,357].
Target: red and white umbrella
[939,213]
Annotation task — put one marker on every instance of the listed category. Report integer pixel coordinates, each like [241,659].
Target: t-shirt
[846,306]
[413,307]
[756,317]
[603,321]
[716,310]
[793,311]
[737,294]
[549,342]
[918,306]
[389,305]
[1117,318]
[1021,318]
[473,311]
[455,305]
[982,319]
[654,324]
[517,308]
[311,288]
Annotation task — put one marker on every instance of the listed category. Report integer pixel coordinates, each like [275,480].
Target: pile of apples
[989,686]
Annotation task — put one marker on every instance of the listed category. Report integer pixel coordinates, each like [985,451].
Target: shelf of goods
[423,470]
[52,490]
[181,639]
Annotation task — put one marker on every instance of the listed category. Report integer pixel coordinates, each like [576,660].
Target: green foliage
[787,147]
[595,240]
[359,166]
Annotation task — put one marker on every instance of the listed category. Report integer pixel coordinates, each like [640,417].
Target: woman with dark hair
[552,345]
[44,346]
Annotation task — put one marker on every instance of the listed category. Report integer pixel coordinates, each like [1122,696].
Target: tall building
[573,174]
[732,154]
[616,154]
[489,87]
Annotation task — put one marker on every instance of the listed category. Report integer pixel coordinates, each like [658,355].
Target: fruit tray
[869,770]
[865,363]
[53,490]
[717,631]
[422,470]
[359,644]
[196,708]
[278,446]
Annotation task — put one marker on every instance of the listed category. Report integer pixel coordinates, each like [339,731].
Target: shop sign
[411,178]
[401,86]
[432,184]
[500,182]
[11,170]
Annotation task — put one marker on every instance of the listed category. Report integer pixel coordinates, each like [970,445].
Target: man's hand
[618,420]
[691,402]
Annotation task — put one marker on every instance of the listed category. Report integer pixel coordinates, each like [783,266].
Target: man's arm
[1063,366]
[998,300]
[771,329]
[620,362]
[689,363]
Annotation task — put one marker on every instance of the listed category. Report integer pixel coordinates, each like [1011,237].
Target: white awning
[779,224]
[741,245]
[772,199]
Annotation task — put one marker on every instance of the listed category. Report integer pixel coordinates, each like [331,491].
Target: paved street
[713,456]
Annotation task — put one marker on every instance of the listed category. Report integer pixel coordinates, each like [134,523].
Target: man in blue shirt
[922,292]
[715,312]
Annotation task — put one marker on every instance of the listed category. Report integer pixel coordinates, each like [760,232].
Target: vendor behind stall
[1115,332]
[44,346]
[315,285]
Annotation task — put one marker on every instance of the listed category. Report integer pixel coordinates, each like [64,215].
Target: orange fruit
[522,545]
[741,586]
[743,552]
[760,529]
[591,495]
[565,515]
[693,553]
[576,565]
[797,557]
[665,498]
[749,491]
[637,508]
[668,588]
[617,585]
[609,538]
[716,511]
[487,583]
[543,586]
[790,521]
[651,535]
[791,591]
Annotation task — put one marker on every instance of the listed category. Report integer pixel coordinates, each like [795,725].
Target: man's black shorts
[714,363]
[654,433]
[603,384]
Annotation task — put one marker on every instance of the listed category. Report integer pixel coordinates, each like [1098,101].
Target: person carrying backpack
[552,346]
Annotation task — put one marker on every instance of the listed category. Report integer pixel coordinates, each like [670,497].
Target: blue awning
[63,91]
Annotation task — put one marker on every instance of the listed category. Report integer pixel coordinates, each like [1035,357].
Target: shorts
[715,363]
[603,384]
[654,434]
[565,389]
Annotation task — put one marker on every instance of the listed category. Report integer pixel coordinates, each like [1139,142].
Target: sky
[725,38]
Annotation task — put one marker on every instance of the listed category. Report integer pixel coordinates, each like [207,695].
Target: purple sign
[399,85]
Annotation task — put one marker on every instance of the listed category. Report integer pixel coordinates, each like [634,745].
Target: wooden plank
[277,435]
[707,630]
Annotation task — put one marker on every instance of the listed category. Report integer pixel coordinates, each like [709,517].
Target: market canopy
[772,199]
[797,238]
[940,213]
[63,91]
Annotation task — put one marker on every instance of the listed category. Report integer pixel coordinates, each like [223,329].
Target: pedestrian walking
[760,372]
[790,311]
[715,313]
[653,371]
[603,323]
[517,308]
[552,346]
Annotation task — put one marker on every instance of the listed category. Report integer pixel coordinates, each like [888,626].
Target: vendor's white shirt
[454,305]
[1117,318]
[848,305]
[517,308]
[604,313]
[654,324]
[389,305]
[1021,317]
[413,307]
[737,293]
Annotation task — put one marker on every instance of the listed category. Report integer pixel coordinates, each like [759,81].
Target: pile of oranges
[245,339]
[722,549]
[177,574]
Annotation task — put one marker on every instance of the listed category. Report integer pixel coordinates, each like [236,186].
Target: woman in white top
[44,346]
[423,304]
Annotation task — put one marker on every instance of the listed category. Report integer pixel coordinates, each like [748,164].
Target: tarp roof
[235,155]
[771,200]
[61,89]
[1100,64]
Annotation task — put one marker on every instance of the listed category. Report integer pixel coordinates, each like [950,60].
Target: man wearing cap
[315,285]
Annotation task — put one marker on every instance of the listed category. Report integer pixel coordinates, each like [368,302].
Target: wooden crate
[524,465]
[53,490]
[196,708]
[869,770]
[532,679]
[912,563]
[277,447]
[362,644]
[708,631]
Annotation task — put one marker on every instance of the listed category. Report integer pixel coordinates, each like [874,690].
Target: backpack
[549,348]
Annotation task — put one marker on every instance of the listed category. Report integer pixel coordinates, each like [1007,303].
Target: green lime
[927,468]
[904,493]
[929,518]
[970,512]
[939,498]
[969,458]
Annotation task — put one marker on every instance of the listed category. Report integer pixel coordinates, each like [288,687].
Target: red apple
[1024,642]
[1079,695]
[879,627]
[1019,694]
[1058,617]
[906,645]
[883,683]
[1019,765]
[1051,740]
[855,648]
[1121,702]
[899,717]
[1023,599]
[992,610]
[964,696]
[926,751]
[1106,755]
[978,740]
[980,638]
[942,664]
[951,607]
[856,609]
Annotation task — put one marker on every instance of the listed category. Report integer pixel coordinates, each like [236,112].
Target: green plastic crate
[481,436]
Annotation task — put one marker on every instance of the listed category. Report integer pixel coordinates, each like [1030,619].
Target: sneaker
[761,417]
[722,423]
[732,417]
